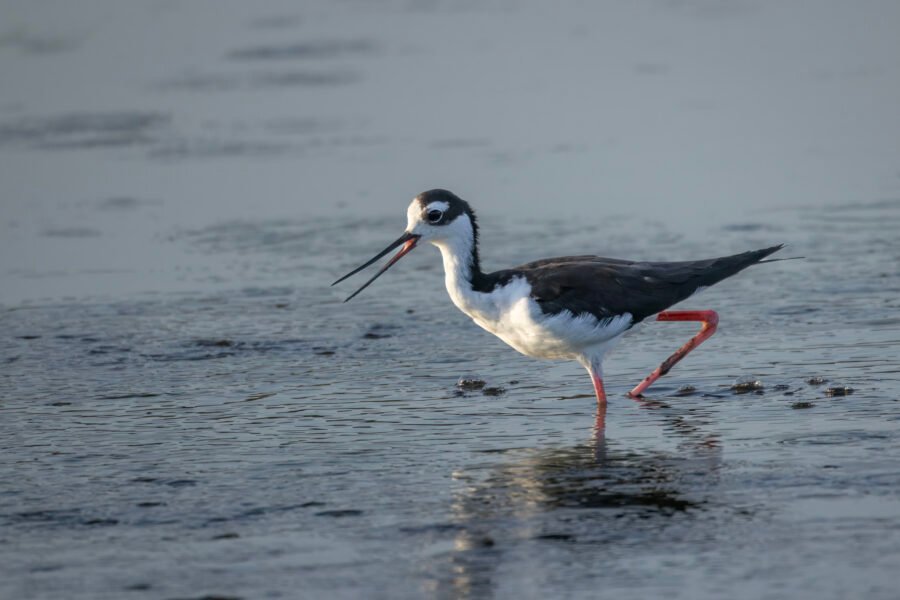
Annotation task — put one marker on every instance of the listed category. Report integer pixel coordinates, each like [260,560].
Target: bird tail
[771,250]
[715,270]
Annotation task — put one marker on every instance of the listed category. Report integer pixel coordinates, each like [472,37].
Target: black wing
[608,287]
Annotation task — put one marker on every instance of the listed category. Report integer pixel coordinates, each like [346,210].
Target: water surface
[189,410]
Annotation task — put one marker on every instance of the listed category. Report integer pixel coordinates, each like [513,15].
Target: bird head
[436,216]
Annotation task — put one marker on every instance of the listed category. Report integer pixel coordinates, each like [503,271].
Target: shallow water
[187,409]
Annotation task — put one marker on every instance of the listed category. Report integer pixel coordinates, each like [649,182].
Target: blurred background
[187,409]
[122,125]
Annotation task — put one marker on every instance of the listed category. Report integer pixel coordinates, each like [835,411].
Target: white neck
[456,249]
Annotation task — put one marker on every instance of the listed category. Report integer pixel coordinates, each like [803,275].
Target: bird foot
[710,321]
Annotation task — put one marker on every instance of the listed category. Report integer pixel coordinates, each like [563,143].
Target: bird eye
[434,216]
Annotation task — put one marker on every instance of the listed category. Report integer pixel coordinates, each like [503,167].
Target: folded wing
[605,287]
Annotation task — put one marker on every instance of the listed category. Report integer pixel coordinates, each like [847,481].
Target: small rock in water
[493,391]
[686,390]
[839,391]
[747,386]
[470,385]
[798,405]
[781,387]
[816,380]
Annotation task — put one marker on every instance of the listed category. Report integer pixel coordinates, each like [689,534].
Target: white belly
[513,316]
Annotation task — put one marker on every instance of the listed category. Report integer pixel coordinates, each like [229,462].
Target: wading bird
[571,307]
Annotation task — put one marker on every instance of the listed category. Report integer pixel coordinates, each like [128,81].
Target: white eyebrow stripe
[438,205]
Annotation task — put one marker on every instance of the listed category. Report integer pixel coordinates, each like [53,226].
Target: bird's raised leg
[710,321]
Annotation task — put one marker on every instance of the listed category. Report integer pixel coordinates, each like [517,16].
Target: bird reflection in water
[596,497]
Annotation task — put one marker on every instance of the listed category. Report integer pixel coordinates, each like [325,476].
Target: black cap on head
[455,206]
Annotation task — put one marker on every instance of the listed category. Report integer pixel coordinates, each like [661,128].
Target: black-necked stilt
[571,307]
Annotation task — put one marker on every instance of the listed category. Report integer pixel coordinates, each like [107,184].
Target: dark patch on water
[180,483]
[85,130]
[795,310]
[71,232]
[229,535]
[219,348]
[432,528]
[350,512]
[108,350]
[303,126]
[277,79]
[214,343]
[802,405]
[556,537]
[35,44]
[101,522]
[816,380]
[125,203]
[45,568]
[493,391]
[276,22]
[380,331]
[61,517]
[202,82]
[209,597]
[182,149]
[459,143]
[128,395]
[326,49]
[748,227]
[651,68]
[261,80]
[836,438]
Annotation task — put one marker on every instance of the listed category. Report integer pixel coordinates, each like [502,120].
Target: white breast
[511,314]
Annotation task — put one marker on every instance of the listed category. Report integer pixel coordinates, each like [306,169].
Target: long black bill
[407,240]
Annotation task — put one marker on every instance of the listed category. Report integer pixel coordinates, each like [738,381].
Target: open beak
[407,240]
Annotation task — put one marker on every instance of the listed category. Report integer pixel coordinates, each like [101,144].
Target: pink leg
[600,423]
[710,321]
[598,387]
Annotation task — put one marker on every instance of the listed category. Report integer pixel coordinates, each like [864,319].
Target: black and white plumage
[571,307]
